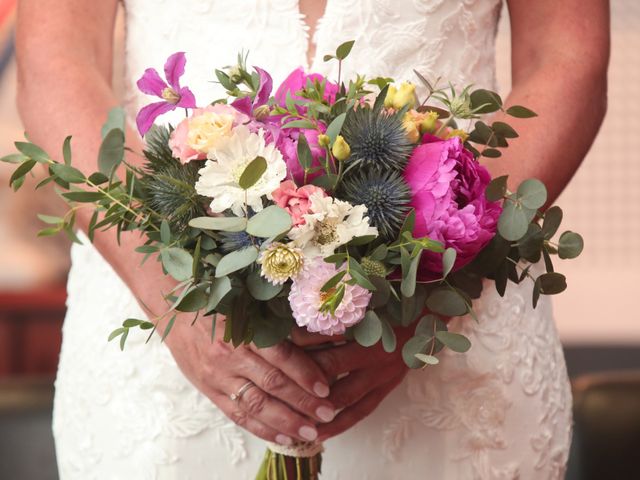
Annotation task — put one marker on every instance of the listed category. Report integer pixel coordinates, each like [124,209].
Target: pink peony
[305,298]
[207,133]
[287,143]
[448,186]
[297,80]
[295,200]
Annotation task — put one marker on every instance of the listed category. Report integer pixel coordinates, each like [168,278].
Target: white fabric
[502,411]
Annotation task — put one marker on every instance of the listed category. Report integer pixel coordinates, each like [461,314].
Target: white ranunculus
[329,224]
[220,176]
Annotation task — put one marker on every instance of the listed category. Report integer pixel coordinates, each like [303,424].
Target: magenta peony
[287,143]
[295,200]
[447,185]
[305,298]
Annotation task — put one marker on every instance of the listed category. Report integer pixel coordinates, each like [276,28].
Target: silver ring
[238,395]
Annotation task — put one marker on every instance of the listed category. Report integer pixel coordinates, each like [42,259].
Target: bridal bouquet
[346,208]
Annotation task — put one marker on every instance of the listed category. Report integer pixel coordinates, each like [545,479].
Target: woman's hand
[286,402]
[372,375]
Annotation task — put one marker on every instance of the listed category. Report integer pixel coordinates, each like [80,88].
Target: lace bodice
[502,411]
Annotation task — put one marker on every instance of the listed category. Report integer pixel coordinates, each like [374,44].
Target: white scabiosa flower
[219,178]
[329,224]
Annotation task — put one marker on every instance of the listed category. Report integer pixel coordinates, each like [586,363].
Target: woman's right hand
[288,398]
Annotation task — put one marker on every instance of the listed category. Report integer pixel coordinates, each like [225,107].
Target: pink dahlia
[448,185]
[306,298]
[295,200]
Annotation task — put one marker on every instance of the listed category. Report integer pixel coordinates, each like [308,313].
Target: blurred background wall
[597,316]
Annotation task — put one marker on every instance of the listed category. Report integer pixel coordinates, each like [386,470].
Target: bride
[164,411]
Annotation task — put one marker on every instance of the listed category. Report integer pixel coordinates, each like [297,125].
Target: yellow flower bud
[406,95]
[428,124]
[323,140]
[457,132]
[341,149]
[391,93]
[410,126]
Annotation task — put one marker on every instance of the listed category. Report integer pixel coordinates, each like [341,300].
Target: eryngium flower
[306,298]
[281,262]
[386,196]
[377,139]
[232,241]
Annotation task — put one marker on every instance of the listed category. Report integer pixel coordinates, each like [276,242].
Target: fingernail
[325,414]
[321,390]
[283,439]
[308,433]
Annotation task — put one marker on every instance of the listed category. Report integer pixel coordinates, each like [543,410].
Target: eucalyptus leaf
[344,49]
[488,100]
[389,340]
[448,261]
[21,171]
[519,111]
[225,224]
[111,151]
[165,232]
[98,178]
[369,330]
[66,151]
[304,152]
[32,151]
[219,288]
[236,260]
[307,124]
[447,302]
[491,153]
[334,128]
[415,345]
[115,120]
[570,245]
[177,262]
[84,197]
[532,193]
[504,130]
[552,221]
[260,288]
[252,173]
[193,301]
[427,359]
[270,222]
[513,222]
[454,341]
[497,188]
[552,283]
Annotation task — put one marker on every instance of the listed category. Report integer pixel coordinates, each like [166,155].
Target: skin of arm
[560,55]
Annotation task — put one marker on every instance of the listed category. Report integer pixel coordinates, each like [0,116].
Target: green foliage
[252,173]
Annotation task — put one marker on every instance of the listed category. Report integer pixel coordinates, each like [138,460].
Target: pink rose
[295,200]
[447,185]
[206,129]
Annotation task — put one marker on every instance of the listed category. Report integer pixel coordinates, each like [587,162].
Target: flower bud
[457,132]
[341,149]
[410,126]
[262,112]
[235,75]
[391,93]
[373,267]
[406,95]
[323,140]
[428,123]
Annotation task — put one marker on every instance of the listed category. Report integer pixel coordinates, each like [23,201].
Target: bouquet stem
[280,466]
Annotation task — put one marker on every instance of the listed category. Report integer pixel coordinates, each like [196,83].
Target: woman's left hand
[372,375]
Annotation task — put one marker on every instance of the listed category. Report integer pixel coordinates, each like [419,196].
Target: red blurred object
[31,331]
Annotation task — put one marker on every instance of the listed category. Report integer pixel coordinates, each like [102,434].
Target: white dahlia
[306,298]
[219,178]
[329,224]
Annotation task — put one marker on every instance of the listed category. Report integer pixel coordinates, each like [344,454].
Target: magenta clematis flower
[247,105]
[447,185]
[172,94]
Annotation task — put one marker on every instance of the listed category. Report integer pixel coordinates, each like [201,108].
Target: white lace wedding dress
[502,411]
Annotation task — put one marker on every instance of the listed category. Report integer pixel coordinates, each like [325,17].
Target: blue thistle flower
[386,196]
[231,241]
[377,139]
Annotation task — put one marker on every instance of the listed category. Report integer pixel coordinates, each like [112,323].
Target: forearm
[570,107]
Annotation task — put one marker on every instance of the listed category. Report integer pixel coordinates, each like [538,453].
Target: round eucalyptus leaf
[570,245]
[448,260]
[488,100]
[369,330]
[513,223]
[270,222]
[225,224]
[177,262]
[455,341]
[552,283]
[193,301]
[551,223]
[389,340]
[427,359]
[236,260]
[532,193]
[252,173]
[382,292]
[260,288]
[447,302]
[415,345]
